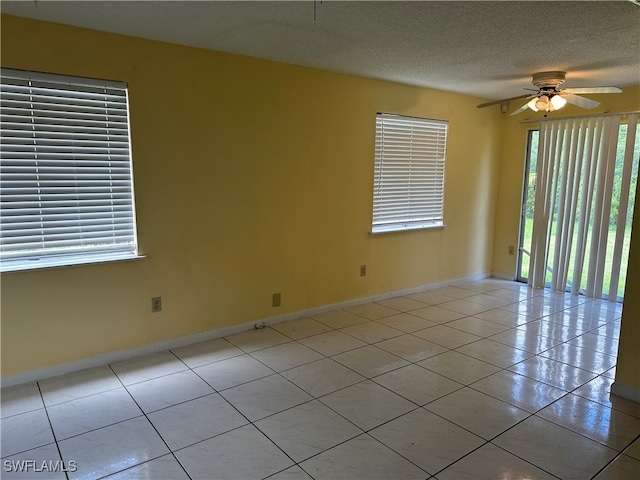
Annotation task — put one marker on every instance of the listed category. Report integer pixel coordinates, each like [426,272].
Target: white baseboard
[503,276]
[120,355]
[626,391]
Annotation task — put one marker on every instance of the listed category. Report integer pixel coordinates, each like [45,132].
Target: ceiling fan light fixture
[558,102]
[542,103]
[549,97]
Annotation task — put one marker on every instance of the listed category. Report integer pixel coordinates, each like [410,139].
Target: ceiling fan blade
[594,90]
[497,102]
[580,101]
[520,110]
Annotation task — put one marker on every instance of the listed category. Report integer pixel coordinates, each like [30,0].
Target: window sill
[62,262]
[405,228]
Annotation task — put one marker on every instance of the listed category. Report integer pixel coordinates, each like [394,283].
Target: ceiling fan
[550,97]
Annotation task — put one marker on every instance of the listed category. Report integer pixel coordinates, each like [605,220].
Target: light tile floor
[479,380]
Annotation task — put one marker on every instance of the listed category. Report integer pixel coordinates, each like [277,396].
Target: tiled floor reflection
[478,380]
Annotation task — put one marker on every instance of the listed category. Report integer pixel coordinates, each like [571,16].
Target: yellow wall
[251,177]
[628,367]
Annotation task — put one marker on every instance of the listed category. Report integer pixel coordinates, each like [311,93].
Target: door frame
[523,207]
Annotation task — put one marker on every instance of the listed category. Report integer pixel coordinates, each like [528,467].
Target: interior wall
[251,177]
[628,366]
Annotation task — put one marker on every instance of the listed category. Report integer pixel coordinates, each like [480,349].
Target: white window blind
[66,187]
[408,191]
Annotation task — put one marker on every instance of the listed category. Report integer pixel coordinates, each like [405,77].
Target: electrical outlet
[276,299]
[363,270]
[512,250]
[156,304]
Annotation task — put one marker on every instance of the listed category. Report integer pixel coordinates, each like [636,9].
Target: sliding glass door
[577,207]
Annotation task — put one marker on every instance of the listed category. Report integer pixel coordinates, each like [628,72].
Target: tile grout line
[152,426]
[615,457]
[53,433]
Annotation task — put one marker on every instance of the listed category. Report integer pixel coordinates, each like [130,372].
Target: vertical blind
[66,188]
[575,221]
[408,191]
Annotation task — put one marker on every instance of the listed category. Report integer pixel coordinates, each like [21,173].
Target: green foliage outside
[528,229]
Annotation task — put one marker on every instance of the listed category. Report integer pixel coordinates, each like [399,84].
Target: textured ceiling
[485,49]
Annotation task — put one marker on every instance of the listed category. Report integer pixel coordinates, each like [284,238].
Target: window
[66,188]
[408,190]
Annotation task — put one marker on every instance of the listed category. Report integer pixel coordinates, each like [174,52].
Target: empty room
[320,240]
